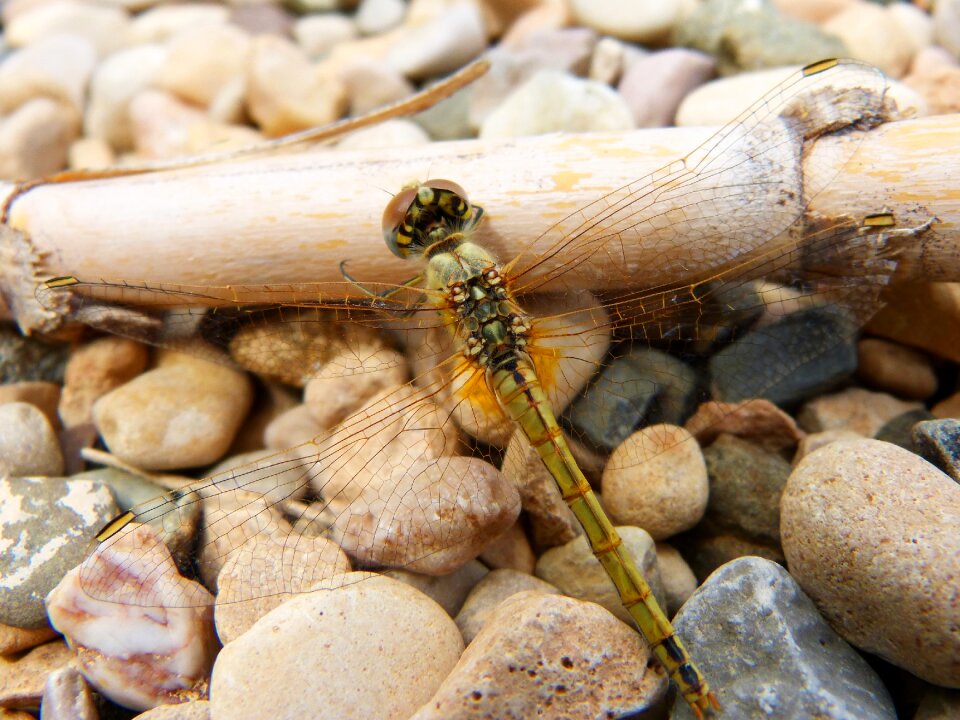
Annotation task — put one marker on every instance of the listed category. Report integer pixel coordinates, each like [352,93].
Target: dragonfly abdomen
[514,381]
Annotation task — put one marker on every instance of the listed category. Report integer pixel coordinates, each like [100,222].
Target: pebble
[90,153]
[657,480]
[772,655]
[199,61]
[552,522]
[547,16]
[752,36]
[899,430]
[939,86]
[758,420]
[67,695]
[650,21]
[115,82]
[608,62]
[27,358]
[815,11]
[938,442]
[914,24]
[640,388]
[377,16]
[23,677]
[168,646]
[286,92]
[938,704]
[563,103]
[856,409]
[948,407]
[94,369]
[28,443]
[511,550]
[869,531]
[542,653]
[265,572]
[161,23]
[873,35]
[104,26]
[654,85]
[15,640]
[486,596]
[923,315]
[707,548]
[799,356]
[263,18]
[392,133]
[946,25]
[291,428]
[896,369]
[576,572]
[720,101]
[499,15]
[318,34]
[448,591]
[56,67]
[745,486]
[371,85]
[817,440]
[46,526]
[43,395]
[439,45]
[35,139]
[193,710]
[677,578]
[375,648]
[182,414]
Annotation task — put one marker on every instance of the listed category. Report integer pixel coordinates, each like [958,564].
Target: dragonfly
[475,350]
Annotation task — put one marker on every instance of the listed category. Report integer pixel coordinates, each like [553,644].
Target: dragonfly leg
[412,282]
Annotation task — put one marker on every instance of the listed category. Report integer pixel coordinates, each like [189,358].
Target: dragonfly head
[423,214]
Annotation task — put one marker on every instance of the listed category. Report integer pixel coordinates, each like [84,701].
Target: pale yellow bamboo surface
[294,217]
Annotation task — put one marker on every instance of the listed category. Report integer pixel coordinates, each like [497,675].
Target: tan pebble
[574,569]
[22,677]
[569,104]
[948,408]
[160,124]
[915,24]
[176,416]
[90,153]
[439,44]
[815,441]
[35,139]
[677,578]
[757,420]
[333,654]
[377,16]
[15,640]
[392,133]
[462,504]
[286,92]
[487,595]
[534,643]
[161,23]
[56,67]
[102,25]
[939,86]
[645,22]
[448,591]
[371,84]
[28,444]
[855,409]
[67,694]
[510,550]
[552,522]
[547,16]
[201,60]
[869,532]
[94,369]
[318,34]
[654,85]
[873,35]
[266,572]
[291,428]
[194,710]
[899,370]
[922,315]
[720,101]
[44,395]
[815,11]
[608,61]
[656,479]
[116,81]
[499,15]
[274,401]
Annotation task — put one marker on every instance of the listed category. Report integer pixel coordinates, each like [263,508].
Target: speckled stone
[486,596]
[938,442]
[869,529]
[23,677]
[28,444]
[46,526]
[772,655]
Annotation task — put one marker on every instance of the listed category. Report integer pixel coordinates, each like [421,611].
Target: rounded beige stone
[28,444]
[678,579]
[657,480]
[900,370]
[372,647]
[869,531]
[486,596]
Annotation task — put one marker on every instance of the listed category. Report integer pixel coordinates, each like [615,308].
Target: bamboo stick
[294,217]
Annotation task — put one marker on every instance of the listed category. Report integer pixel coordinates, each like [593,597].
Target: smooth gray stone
[899,430]
[767,652]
